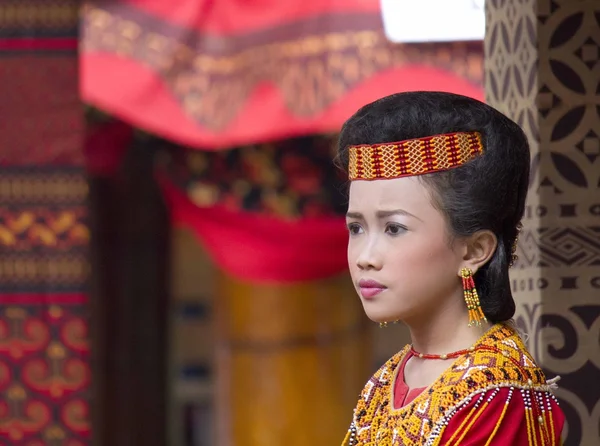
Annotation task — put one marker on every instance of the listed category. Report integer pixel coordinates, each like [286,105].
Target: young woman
[437,191]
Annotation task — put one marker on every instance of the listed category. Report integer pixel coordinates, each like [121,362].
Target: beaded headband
[413,157]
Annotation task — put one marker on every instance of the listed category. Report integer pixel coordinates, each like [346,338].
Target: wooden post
[291,361]
[541,69]
[130,230]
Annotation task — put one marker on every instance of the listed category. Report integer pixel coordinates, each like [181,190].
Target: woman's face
[401,260]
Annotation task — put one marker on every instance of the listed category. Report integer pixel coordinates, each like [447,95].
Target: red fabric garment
[513,428]
[260,248]
[403,394]
[218,74]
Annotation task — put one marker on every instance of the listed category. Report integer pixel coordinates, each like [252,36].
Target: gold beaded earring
[476,316]
[385,324]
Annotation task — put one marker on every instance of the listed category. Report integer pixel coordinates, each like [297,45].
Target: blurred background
[172,240]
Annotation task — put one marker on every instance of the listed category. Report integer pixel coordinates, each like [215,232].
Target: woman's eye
[354,228]
[394,229]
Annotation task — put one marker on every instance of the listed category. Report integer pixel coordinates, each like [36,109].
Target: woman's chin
[380,318]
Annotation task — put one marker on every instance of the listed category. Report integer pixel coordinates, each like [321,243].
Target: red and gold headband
[413,157]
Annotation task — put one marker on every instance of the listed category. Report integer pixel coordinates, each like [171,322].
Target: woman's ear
[480,247]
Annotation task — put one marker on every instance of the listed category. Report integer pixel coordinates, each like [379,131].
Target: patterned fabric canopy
[214,75]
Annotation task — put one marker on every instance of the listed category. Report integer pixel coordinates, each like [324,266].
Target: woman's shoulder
[500,358]
[499,383]
[506,339]
[503,351]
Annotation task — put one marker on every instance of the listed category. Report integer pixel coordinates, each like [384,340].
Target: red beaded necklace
[455,354]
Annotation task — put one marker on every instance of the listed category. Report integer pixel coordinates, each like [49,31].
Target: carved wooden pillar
[542,69]
[291,360]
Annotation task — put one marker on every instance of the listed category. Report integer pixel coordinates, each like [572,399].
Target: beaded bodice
[499,359]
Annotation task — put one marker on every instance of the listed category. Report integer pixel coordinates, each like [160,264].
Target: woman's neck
[445,331]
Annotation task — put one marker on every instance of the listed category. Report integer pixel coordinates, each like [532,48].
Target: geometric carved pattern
[542,63]
[570,246]
[558,247]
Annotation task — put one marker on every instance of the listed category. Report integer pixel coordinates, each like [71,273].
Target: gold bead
[505,353]
[421,355]
[444,356]
[541,420]
[530,382]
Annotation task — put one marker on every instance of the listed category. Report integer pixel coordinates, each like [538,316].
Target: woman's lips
[370,288]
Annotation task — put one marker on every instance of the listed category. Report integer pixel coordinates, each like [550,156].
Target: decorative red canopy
[217,74]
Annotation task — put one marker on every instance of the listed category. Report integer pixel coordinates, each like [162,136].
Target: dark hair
[487,193]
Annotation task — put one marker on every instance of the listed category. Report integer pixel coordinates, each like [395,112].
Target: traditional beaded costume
[489,396]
